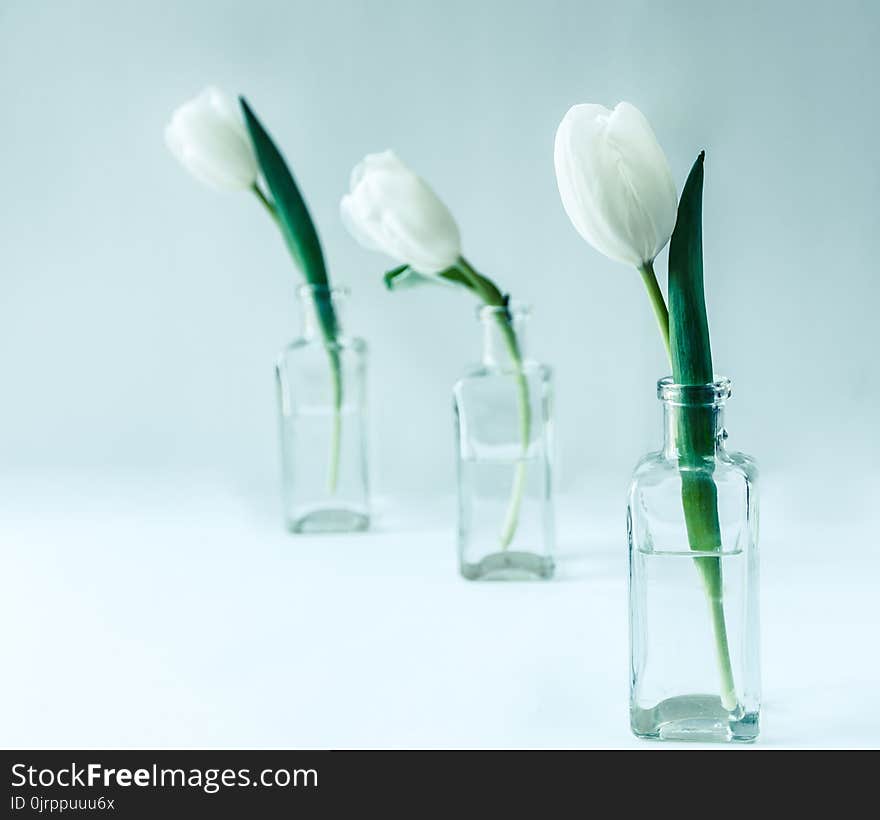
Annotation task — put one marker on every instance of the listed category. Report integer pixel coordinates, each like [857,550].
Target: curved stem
[511,520]
[264,199]
[485,288]
[700,502]
[722,651]
[336,435]
[491,295]
[657,302]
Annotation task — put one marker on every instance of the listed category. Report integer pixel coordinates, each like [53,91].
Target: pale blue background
[140,313]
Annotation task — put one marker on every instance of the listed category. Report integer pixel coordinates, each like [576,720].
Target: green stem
[266,204]
[657,302]
[336,435]
[722,652]
[700,504]
[492,296]
[700,501]
[511,520]
[333,354]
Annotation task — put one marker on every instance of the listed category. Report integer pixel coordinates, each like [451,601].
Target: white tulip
[615,182]
[391,209]
[209,138]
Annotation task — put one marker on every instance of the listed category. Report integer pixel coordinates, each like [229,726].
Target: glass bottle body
[322,403]
[692,523]
[503,428]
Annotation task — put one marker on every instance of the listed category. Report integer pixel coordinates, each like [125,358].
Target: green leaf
[293,217]
[296,224]
[393,277]
[688,325]
[692,362]
[305,247]
[405,277]
[692,365]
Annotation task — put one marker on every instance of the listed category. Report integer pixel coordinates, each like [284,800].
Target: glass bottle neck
[693,418]
[320,308]
[504,336]
[697,430]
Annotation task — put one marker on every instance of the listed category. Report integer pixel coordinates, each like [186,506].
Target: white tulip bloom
[209,138]
[391,209]
[615,182]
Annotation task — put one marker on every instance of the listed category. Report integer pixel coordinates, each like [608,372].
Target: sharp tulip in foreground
[616,188]
[615,182]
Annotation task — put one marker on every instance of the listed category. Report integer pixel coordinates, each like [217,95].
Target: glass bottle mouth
[321,292]
[517,310]
[713,394]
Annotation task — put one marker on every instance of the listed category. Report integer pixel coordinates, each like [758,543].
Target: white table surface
[175,612]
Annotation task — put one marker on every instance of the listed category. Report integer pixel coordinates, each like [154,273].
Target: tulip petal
[645,171]
[614,181]
[208,138]
[585,180]
[353,224]
[389,208]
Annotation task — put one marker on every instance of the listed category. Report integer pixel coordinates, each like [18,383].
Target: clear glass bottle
[692,523]
[322,404]
[503,412]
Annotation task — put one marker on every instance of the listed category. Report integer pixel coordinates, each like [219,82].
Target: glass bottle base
[328,520]
[697,718]
[509,566]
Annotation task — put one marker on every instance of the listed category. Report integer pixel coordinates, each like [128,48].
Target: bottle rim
[516,309]
[711,394]
[310,291]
